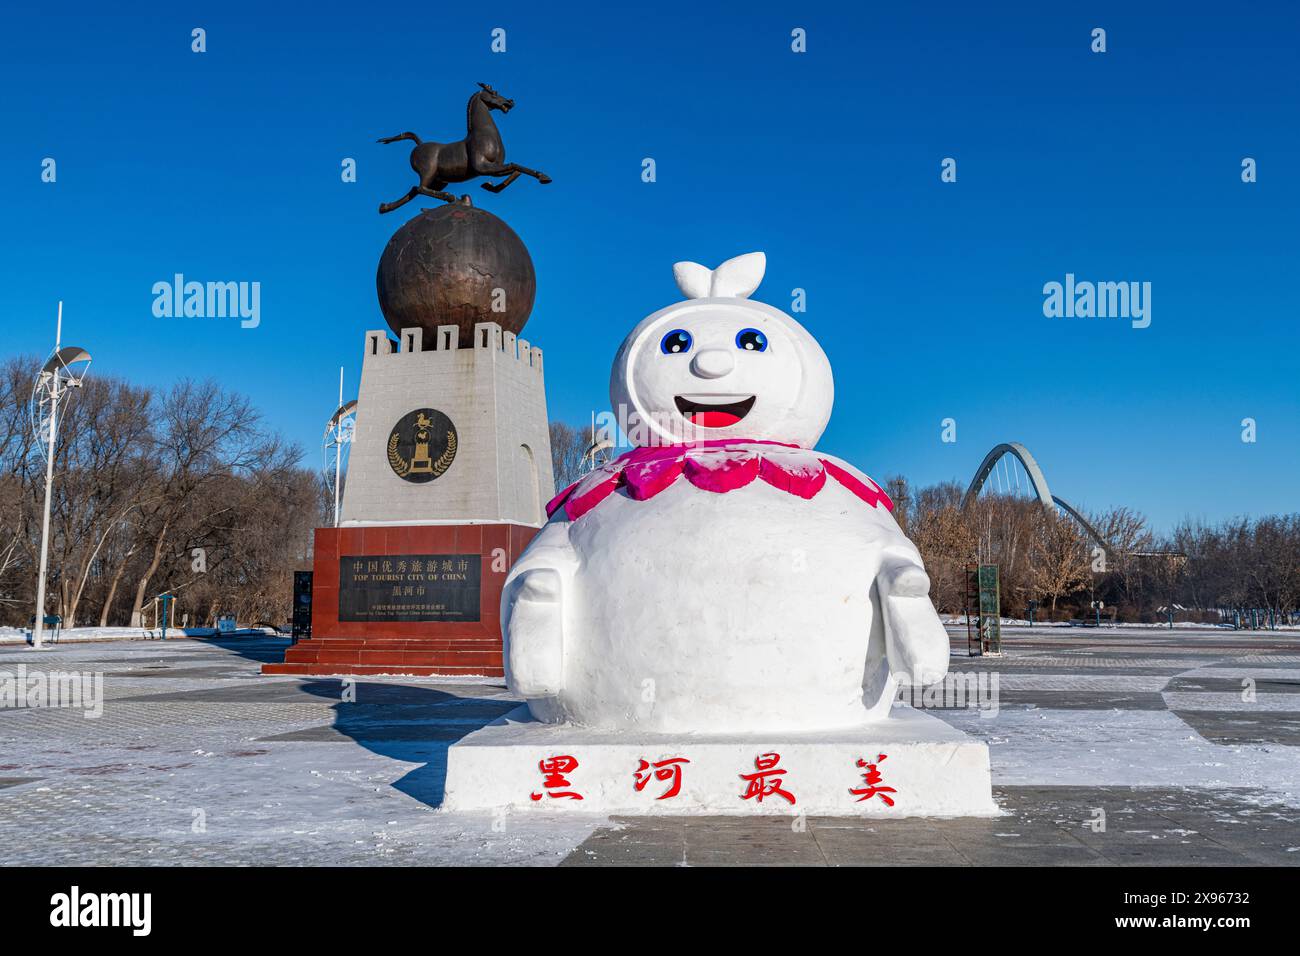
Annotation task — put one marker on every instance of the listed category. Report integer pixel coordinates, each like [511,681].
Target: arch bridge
[1037,481]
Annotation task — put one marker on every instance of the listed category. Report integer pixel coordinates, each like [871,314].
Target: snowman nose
[712,363]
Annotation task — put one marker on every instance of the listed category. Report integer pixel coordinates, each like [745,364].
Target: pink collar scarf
[719,466]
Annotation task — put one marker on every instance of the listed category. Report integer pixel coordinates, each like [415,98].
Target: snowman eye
[751,340]
[676,342]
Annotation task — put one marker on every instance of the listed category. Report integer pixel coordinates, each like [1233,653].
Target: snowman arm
[532,614]
[916,644]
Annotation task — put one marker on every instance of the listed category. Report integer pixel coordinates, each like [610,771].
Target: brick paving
[1108,748]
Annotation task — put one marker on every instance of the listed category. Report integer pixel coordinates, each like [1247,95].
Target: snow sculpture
[723,576]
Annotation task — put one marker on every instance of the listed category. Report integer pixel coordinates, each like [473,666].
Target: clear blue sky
[927,296]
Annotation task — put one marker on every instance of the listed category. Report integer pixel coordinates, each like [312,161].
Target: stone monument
[718,621]
[451,459]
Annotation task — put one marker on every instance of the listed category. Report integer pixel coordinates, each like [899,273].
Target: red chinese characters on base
[872,777]
[553,773]
[669,769]
[767,781]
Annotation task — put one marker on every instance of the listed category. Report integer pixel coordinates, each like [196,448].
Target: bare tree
[946,544]
[1059,563]
[897,489]
[17,488]
[142,485]
[1127,539]
[204,435]
[568,446]
[102,473]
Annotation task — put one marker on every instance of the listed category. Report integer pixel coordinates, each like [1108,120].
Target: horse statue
[480,153]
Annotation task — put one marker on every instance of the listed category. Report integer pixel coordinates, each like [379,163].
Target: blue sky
[1122,166]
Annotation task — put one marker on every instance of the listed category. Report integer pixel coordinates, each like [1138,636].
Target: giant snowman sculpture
[722,610]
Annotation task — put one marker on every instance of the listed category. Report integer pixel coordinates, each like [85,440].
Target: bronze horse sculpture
[480,153]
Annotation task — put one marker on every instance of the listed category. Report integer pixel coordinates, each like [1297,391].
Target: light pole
[38,626]
[167,598]
[55,378]
[338,458]
[337,434]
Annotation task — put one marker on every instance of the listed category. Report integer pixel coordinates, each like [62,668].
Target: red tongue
[714,419]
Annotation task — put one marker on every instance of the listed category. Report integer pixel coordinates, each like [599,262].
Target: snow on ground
[197,758]
[956,620]
[1136,748]
[1088,682]
[279,771]
[73,635]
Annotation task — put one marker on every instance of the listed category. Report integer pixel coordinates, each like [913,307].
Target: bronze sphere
[455,264]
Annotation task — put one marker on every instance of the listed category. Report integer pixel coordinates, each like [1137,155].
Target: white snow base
[933,768]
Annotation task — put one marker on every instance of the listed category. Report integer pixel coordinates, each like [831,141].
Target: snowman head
[720,366]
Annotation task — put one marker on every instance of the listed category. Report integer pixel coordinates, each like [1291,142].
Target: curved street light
[596,453]
[338,435]
[65,369]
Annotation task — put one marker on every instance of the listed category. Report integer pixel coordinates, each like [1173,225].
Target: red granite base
[406,647]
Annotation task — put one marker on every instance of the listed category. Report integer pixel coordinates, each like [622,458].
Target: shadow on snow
[415,724]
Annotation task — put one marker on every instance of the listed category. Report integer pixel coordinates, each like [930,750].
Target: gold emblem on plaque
[422,445]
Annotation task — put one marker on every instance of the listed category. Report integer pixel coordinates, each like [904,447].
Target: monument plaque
[409,587]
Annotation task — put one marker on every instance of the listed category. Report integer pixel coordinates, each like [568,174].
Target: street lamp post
[337,435]
[38,626]
[338,458]
[56,377]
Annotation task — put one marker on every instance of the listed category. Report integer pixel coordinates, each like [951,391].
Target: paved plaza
[1108,747]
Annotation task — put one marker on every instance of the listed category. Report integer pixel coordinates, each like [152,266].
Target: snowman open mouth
[714,411]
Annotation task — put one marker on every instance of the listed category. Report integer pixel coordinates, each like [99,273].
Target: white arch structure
[1036,478]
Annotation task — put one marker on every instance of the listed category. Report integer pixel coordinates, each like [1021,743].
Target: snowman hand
[916,644]
[908,580]
[531,613]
